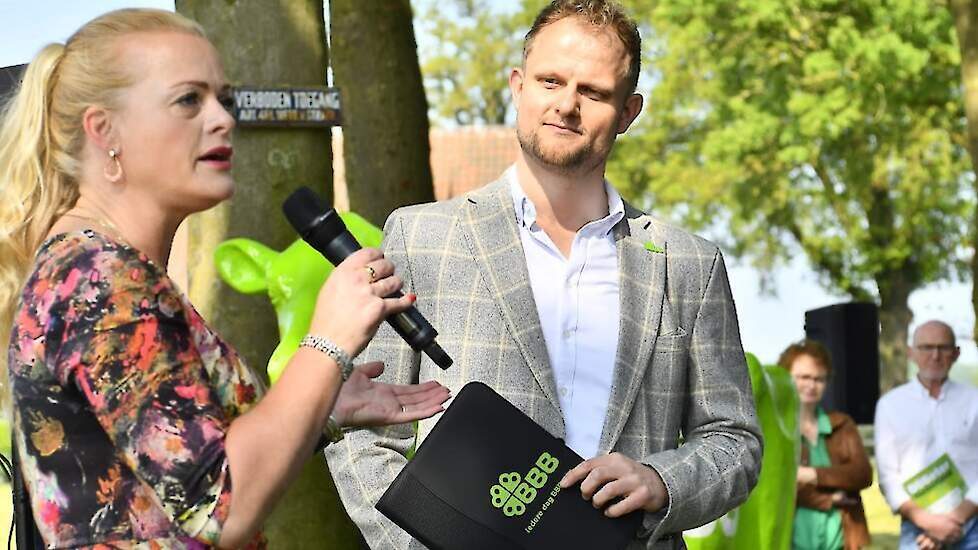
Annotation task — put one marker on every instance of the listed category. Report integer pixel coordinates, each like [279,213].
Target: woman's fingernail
[412,296]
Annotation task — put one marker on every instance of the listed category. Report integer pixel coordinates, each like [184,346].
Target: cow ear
[367,234]
[243,264]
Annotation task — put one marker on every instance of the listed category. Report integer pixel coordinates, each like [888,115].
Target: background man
[610,329]
[918,422]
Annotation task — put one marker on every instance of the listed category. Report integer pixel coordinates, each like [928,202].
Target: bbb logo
[512,494]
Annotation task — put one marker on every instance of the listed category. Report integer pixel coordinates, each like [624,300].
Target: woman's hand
[351,303]
[807,476]
[841,499]
[365,402]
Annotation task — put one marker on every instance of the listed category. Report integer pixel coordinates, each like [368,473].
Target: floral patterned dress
[122,400]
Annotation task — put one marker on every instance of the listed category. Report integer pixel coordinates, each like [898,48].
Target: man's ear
[97,123]
[633,106]
[516,84]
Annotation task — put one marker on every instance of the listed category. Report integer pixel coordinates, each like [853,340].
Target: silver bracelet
[327,347]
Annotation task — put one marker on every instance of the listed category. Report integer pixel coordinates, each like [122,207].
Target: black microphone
[325,231]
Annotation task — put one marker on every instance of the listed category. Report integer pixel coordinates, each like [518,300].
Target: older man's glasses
[943,349]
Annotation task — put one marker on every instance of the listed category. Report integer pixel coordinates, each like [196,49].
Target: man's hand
[964,511]
[941,527]
[615,476]
[806,476]
[926,543]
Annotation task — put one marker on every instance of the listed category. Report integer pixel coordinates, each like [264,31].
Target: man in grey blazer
[609,328]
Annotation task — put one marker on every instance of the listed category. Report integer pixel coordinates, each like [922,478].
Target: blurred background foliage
[830,129]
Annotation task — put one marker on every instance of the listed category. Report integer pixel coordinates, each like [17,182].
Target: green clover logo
[512,494]
[503,494]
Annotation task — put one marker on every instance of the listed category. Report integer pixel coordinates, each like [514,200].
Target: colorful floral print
[122,398]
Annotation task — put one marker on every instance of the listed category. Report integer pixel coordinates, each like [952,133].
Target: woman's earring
[113,168]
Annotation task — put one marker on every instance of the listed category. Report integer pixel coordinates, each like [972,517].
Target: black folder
[486,478]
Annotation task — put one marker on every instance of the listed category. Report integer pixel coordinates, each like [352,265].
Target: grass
[884,525]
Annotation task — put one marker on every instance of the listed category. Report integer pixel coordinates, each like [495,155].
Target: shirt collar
[526,212]
[824,422]
[924,392]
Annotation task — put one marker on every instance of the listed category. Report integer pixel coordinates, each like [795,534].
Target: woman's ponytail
[41,138]
[32,193]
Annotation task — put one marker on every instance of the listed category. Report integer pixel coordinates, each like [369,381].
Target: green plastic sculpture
[291,278]
[765,519]
[310,514]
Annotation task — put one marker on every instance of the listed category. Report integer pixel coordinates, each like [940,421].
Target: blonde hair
[41,137]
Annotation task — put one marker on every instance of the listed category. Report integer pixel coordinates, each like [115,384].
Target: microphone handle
[410,324]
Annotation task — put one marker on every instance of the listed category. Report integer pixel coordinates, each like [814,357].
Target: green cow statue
[310,515]
[291,278]
[764,521]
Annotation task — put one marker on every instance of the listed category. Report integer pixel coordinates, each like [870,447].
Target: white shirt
[913,429]
[577,299]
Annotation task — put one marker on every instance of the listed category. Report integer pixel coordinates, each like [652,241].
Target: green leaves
[833,128]
[827,127]
[466,64]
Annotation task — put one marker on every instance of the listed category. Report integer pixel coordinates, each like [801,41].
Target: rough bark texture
[269,43]
[385,114]
[895,317]
[966,24]
[895,283]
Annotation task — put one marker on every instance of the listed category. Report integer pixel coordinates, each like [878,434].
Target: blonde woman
[135,422]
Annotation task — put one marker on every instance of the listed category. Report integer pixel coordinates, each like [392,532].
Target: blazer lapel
[642,282]
[488,222]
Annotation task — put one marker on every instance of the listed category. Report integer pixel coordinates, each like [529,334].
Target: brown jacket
[850,472]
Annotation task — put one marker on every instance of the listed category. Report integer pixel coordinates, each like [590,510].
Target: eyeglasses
[812,379]
[945,349]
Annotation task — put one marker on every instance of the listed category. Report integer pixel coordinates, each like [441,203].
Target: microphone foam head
[302,208]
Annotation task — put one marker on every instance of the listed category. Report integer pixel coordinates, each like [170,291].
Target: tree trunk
[966,23]
[895,317]
[267,43]
[385,114]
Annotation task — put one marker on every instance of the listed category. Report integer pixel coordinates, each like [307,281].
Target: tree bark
[895,317]
[966,24]
[385,113]
[267,43]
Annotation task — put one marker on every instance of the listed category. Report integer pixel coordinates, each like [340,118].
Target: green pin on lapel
[652,247]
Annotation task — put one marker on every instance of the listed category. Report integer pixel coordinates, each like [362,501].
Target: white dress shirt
[577,299]
[913,429]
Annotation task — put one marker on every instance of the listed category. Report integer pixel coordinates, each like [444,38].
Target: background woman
[834,466]
[135,422]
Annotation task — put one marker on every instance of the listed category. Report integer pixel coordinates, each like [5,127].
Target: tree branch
[835,200]
[834,269]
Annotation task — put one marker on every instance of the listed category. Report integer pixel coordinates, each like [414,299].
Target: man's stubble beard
[567,162]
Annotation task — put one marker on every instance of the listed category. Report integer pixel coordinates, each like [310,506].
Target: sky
[768,322]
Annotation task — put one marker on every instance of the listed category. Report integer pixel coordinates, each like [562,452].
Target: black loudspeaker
[851,334]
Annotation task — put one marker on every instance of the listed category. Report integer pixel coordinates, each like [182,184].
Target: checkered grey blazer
[681,399]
